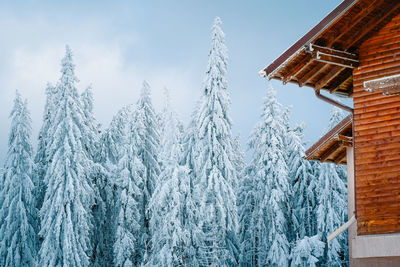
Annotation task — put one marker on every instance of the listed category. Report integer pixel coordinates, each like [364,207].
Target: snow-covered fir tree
[252,227]
[304,203]
[66,217]
[99,177]
[144,130]
[1,177]
[171,129]
[307,251]
[265,240]
[331,213]
[305,184]
[173,224]
[238,161]
[112,148]
[188,159]
[170,208]
[42,157]
[332,204]
[214,166]
[130,174]
[18,213]
[91,136]
[113,140]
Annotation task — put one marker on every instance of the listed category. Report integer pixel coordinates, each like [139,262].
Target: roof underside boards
[326,56]
[332,146]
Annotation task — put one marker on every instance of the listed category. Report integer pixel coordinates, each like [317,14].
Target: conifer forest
[148,190]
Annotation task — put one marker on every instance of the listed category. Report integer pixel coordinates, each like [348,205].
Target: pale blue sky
[117,44]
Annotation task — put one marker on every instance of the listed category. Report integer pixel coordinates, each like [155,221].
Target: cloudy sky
[118,44]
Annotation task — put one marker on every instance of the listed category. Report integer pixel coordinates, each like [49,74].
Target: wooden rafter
[348,74]
[340,157]
[310,74]
[329,151]
[346,143]
[297,69]
[328,77]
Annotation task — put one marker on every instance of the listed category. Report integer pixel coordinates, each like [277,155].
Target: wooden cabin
[355,52]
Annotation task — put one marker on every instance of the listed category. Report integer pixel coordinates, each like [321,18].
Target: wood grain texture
[377,135]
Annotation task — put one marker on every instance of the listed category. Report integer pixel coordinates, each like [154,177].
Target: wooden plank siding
[377,135]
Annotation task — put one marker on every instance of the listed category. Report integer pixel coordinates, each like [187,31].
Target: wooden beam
[346,143]
[346,62]
[329,151]
[333,56]
[325,80]
[297,69]
[340,157]
[314,49]
[344,138]
[348,74]
[384,14]
[311,74]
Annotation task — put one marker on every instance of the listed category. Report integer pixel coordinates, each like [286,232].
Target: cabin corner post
[352,231]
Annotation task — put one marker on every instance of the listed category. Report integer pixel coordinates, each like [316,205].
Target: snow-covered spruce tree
[112,148]
[113,140]
[332,204]
[99,177]
[305,185]
[18,214]
[188,159]
[170,210]
[214,164]
[238,161]
[145,136]
[171,130]
[332,207]
[41,157]
[304,204]
[307,251]
[1,177]
[252,227]
[268,245]
[129,179]
[66,219]
[91,136]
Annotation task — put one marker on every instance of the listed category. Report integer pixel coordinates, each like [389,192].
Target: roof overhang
[325,56]
[332,146]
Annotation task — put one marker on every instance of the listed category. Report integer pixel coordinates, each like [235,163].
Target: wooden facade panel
[377,154]
[378,226]
[372,109]
[379,117]
[377,135]
[377,161]
[376,100]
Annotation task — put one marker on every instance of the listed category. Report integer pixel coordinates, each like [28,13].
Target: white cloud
[116,82]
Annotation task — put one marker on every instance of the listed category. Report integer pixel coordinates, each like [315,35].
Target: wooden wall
[377,135]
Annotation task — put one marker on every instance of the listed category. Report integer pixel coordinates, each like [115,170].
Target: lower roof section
[332,146]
